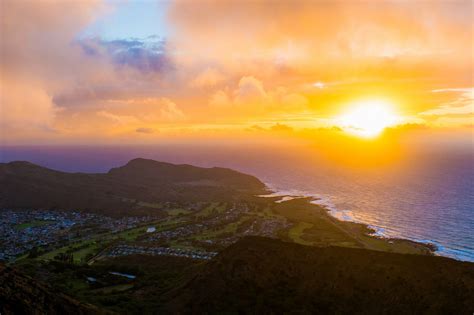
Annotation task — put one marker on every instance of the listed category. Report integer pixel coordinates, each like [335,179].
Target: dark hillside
[20,294]
[259,275]
[25,185]
[154,172]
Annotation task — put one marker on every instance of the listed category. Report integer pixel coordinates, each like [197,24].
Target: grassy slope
[136,188]
[259,275]
[34,223]
[20,294]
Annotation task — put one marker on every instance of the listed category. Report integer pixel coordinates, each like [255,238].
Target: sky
[92,71]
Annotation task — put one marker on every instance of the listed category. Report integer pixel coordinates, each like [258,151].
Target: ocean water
[427,196]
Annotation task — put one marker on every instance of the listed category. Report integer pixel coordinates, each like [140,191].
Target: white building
[151,229]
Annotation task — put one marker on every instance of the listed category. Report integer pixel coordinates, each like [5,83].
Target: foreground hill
[20,294]
[140,181]
[255,275]
[261,275]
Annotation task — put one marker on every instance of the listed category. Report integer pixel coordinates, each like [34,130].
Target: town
[24,231]
[124,250]
[192,230]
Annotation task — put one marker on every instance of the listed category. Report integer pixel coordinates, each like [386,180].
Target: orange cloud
[305,35]
[147,110]
[251,98]
[38,59]
[228,65]
[210,77]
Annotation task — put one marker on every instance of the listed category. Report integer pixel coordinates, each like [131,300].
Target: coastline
[362,230]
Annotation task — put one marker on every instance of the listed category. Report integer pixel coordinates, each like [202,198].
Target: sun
[368,118]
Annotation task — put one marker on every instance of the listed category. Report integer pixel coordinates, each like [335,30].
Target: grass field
[318,227]
[178,211]
[113,288]
[326,230]
[80,255]
[150,205]
[96,242]
[296,233]
[83,249]
[229,228]
[34,223]
[213,207]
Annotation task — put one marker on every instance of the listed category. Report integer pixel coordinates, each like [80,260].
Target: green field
[297,231]
[97,242]
[213,207]
[83,249]
[229,228]
[178,211]
[150,205]
[113,288]
[132,234]
[81,254]
[34,223]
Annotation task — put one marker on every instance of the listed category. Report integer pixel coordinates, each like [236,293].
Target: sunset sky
[85,71]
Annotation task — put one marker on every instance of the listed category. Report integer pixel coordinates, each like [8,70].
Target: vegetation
[32,224]
[313,226]
[176,212]
[137,188]
[254,275]
[296,233]
[21,294]
[260,275]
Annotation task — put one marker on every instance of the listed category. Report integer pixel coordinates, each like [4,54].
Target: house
[151,229]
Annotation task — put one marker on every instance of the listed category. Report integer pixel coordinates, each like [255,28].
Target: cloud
[125,69]
[256,128]
[450,110]
[135,112]
[294,100]
[25,108]
[309,33]
[145,130]
[250,91]
[455,121]
[319,85]
[37,58]
[210,77]
[467,90]
[54,80]
[281,128]
[220,99]
[119,119]
[463,104]
[229,63]
[170,111]
[250,95]
[37,36]
[145,55]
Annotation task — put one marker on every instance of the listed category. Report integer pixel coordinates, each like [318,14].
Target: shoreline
[341,218]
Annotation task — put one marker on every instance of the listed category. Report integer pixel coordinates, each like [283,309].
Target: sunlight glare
[368,118]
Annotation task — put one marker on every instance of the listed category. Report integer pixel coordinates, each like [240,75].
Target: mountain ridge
[27,185]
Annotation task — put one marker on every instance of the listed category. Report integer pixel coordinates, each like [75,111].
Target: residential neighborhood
[189,230]
[123,250]
[22,231]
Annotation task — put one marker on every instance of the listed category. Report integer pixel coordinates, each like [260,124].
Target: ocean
[427,196]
